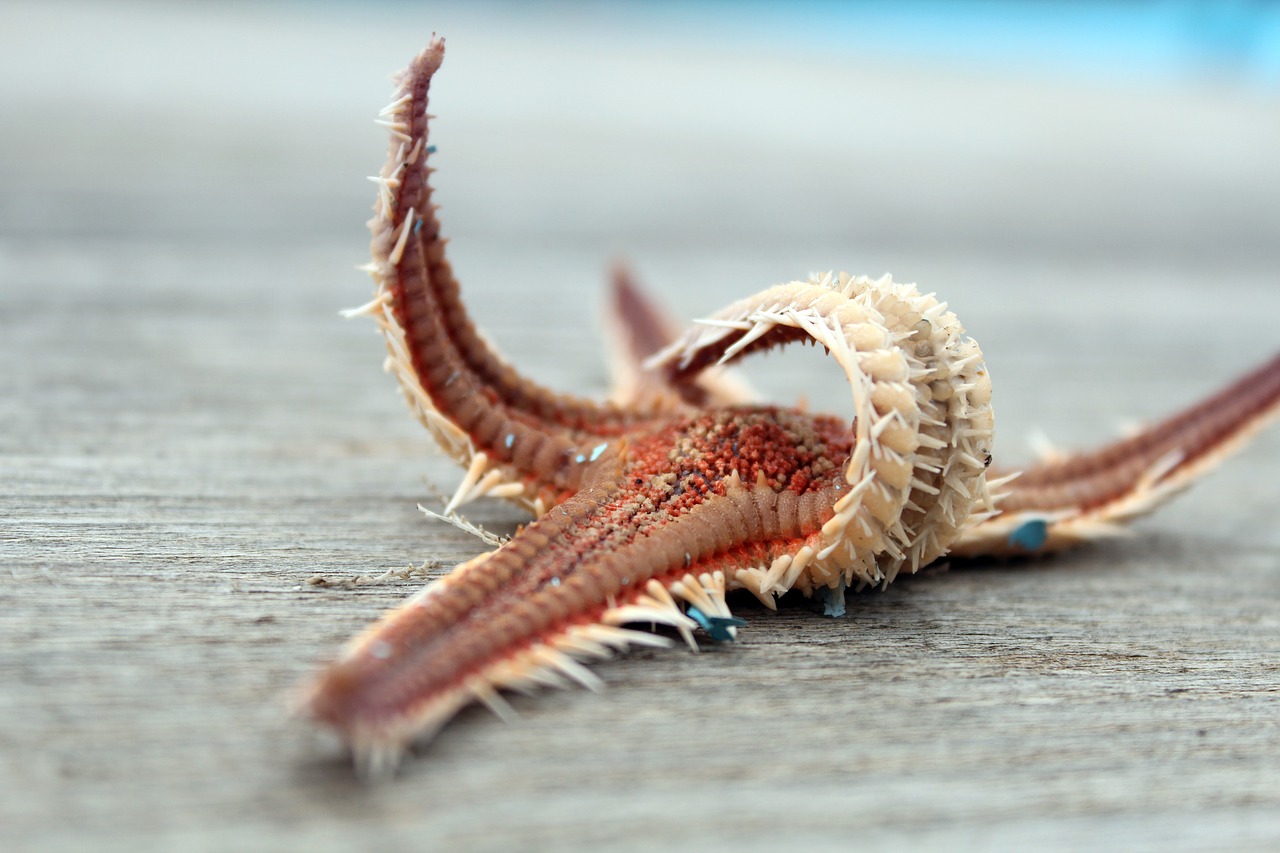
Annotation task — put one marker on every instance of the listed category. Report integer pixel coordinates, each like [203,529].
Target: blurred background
[1012,148]
[642,122]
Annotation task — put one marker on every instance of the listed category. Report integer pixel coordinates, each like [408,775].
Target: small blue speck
[431,149]
[597,450]
[1030,535]
[717,626]
[510,440]
[555,581]
[417,226]
[579,458]
[833,600]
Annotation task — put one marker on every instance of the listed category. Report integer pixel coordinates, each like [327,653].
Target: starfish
[651,507]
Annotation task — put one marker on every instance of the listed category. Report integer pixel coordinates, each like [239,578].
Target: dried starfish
[651,508]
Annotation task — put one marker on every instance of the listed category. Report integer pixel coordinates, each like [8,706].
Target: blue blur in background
[1234,40]
[1227,39]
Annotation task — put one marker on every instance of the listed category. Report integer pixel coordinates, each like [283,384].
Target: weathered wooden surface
[190,437]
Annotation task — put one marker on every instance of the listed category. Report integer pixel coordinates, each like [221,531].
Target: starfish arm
[557,594]
[1071,499]
[516,438]
[638,327]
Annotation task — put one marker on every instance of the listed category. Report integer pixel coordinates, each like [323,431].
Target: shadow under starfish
[650,508]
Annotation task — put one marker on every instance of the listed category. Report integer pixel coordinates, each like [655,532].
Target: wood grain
[197,455]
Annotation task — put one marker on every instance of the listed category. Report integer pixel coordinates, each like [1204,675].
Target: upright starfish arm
[517,439]
[1065,501]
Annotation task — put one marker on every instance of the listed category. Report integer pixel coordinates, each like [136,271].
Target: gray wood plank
[192,440]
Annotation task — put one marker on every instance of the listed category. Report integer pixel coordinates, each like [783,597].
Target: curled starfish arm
[1071,499]
[921,399]
[516,439]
